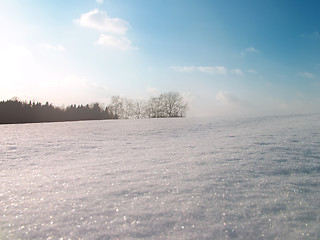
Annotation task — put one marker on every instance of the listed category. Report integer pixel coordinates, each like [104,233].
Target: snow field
[253,178]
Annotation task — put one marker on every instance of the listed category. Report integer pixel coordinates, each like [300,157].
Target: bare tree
[173,104]
[139,109]
[116,107]
[154,107]
[127,108]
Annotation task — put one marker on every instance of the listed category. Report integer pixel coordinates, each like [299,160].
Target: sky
[226,57]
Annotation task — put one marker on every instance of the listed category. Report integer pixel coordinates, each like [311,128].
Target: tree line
[166,105]
[14,111]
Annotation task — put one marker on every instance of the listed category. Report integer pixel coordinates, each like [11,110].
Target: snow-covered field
[253,178]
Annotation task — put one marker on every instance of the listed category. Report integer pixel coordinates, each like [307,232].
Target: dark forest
[14,111]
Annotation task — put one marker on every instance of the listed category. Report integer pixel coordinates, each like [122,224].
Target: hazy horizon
[225,57]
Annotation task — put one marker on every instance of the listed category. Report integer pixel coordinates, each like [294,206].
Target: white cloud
[226,98]
[211,70]
[50,47]
[99,1]
[249,50]
[306,75]
[99,20]
[252,71]
[121,43]
[183,68]
[152,91]
[238,72]
[115,27]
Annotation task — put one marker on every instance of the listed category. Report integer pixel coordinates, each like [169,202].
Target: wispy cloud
[121,43]
[183,68]
[100,21]
[210,70]
[213,70]
[252,71]
[152,91]
[226,98]
[249,50]
[50,47]
[238,72]
[306,75]
[99,1]
[313,35]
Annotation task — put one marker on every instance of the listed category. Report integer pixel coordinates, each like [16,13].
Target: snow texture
[253,178]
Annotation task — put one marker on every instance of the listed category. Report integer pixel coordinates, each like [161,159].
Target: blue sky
[225,57]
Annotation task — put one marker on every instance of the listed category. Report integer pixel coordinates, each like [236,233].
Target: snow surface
[253,178]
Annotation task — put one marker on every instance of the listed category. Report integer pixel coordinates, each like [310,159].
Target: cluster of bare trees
[166,105]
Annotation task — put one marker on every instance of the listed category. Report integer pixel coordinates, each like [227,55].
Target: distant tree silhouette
[14,111]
